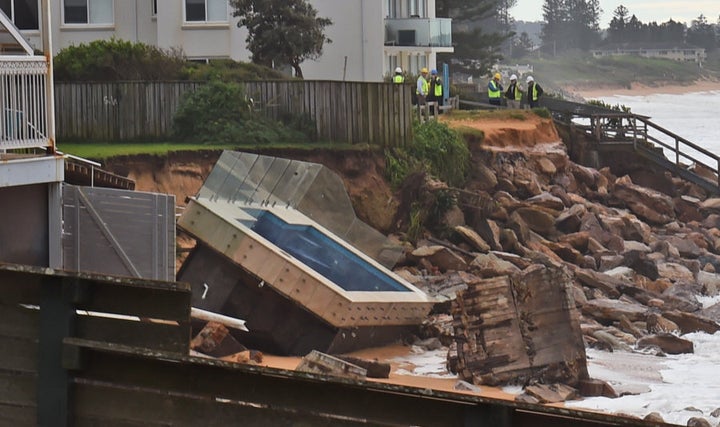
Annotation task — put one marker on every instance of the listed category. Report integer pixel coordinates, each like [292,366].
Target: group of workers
[514,93]
[426,89]
[431,89]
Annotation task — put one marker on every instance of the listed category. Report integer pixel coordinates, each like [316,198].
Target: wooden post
[57,318]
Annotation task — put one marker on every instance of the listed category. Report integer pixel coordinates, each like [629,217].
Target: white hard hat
[530,79]
[513,77]
[398,70]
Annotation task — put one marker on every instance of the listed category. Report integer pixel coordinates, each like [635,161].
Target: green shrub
[114,59]
[542,112]
[603,104]
[220,112]
[229,71]
[399,164]
[443,150]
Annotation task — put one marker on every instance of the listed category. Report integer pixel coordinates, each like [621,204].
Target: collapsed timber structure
[520,329]
[276,246]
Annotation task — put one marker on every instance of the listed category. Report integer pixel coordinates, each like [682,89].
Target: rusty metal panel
[24,225]
[119,232]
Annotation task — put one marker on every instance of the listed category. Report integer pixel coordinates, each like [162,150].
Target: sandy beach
[639,89]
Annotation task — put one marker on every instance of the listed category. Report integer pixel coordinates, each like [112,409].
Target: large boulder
[668,343]
[610,310]
[489,265]
[650,205]
[441,257]
[547,201]
[472,238]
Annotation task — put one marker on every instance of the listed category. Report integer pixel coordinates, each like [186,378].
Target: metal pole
[446,82]
[49,87]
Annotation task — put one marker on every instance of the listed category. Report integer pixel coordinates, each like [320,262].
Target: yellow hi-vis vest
[425,86]
[398,78]
[534,92]
[518,93]
[438,86]
[493,90]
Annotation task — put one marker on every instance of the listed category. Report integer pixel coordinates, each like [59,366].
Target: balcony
[419,32]
[23,113]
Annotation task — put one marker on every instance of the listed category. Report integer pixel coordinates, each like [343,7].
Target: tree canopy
[282,31]
[480,27]
[570,24]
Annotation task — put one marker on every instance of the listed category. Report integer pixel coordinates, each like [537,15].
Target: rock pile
[638,258]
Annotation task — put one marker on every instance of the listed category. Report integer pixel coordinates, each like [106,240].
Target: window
[392,64]
[206,10]
[416,8]
[417,63]
[88,11]
[154,8]
[391,6]
[23,13]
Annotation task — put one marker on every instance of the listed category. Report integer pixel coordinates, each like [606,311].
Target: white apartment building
[369,37]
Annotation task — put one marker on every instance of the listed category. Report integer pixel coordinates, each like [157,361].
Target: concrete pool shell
[329,295]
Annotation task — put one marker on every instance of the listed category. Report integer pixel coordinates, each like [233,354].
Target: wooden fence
[343,112]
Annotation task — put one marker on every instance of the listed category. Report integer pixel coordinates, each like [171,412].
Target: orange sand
[388,353]
[640,89]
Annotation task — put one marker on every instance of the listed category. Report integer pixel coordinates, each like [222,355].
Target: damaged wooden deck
[60,366]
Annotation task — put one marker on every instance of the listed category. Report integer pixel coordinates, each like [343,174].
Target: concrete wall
[358,34]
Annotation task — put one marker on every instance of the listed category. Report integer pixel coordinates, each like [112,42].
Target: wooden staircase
[614,131]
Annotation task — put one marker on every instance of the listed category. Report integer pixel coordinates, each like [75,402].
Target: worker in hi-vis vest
[534,92]
[495,90]
[398,77]
[514,93]
[422,88]
[436,90]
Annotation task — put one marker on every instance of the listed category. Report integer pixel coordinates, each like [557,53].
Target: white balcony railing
[23,114]
[419,32]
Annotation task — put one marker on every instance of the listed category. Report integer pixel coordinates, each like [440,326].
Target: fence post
[57,318]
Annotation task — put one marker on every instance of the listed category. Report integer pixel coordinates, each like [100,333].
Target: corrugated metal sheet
[119,232]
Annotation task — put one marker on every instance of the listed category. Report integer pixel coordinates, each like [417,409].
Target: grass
[105,150]
[501,114]
[583,69]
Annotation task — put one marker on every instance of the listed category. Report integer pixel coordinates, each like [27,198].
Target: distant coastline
[640,89]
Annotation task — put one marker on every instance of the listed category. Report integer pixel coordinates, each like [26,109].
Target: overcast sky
[646,10]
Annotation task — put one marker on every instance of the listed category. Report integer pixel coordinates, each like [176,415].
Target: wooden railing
[23,115]
[342,112]
[626,127]
[609,128]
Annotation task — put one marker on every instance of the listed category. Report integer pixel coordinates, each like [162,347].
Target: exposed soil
[501,133]
[182,174]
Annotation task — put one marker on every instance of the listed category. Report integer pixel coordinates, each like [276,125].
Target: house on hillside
[672,51]
[370,37]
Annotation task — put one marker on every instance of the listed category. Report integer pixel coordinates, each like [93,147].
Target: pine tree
[570,24]
[476,34]
[617,32]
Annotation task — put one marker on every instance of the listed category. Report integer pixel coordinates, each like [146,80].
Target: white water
[693,116]
[678,387]
[688,385]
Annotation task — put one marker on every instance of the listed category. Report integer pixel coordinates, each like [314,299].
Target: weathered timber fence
[343,112]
